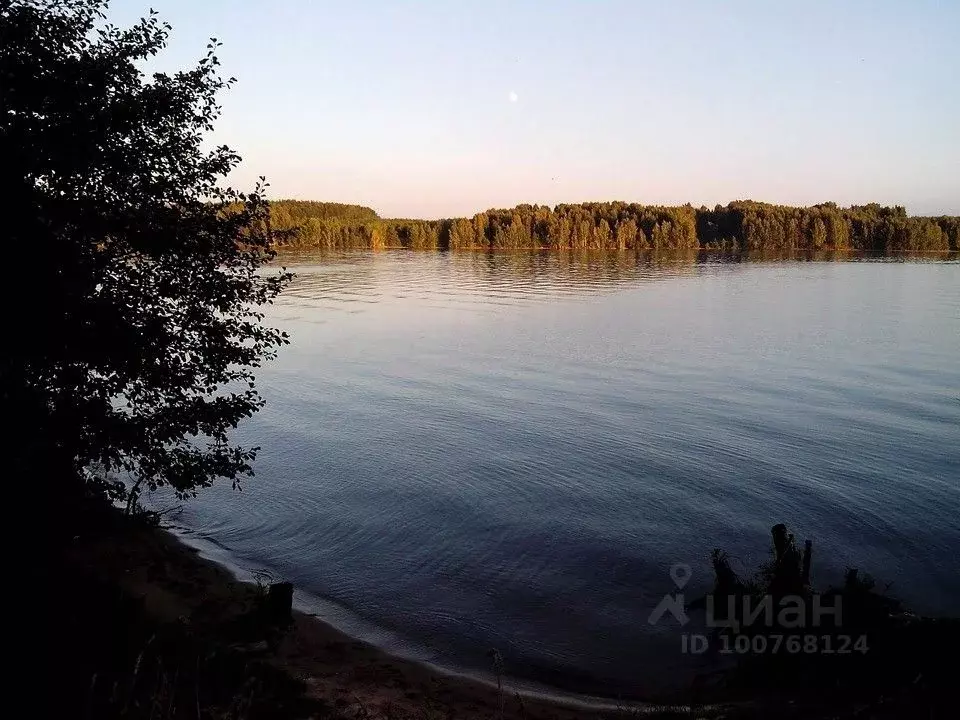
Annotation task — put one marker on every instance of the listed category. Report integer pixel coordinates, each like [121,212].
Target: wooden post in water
[807,553]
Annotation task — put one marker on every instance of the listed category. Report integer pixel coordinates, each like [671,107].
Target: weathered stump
[280,602]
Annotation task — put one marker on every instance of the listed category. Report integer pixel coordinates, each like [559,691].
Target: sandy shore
[356,679]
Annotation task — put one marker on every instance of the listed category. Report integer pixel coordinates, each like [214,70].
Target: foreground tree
[134,348]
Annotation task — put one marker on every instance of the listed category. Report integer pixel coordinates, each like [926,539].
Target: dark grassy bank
[138,628]
[739,226]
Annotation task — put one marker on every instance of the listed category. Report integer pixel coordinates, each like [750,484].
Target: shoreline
[176,581]
[355,629]
[822,255]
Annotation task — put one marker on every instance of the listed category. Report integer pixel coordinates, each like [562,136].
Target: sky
[443,108]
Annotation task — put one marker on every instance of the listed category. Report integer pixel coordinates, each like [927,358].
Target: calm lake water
[465,452]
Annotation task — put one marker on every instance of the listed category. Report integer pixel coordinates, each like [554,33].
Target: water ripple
[511,450]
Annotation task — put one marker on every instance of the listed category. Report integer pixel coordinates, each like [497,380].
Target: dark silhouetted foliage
[136,350]
[872,650]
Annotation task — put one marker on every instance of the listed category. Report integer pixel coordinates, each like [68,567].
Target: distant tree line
[739,226]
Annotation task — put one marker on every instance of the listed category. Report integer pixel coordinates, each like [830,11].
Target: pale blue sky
[442,108]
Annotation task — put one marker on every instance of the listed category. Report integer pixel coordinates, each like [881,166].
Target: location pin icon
[680,574]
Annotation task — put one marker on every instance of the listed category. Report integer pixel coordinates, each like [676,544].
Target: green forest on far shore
[743,225]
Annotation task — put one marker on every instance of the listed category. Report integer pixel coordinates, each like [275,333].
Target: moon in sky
[513,96]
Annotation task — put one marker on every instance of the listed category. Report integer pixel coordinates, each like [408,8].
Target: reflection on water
[510,450]
[461,277]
